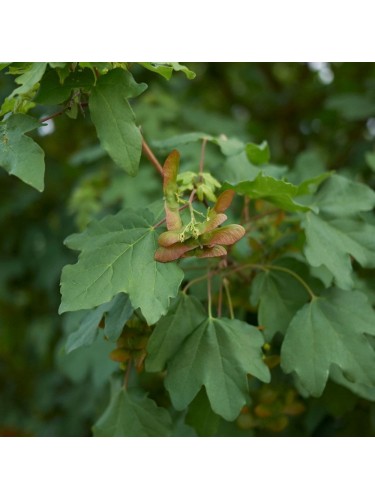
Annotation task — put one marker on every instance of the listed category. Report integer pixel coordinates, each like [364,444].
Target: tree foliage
[217,273]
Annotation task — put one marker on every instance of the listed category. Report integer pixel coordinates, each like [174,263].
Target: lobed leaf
[341,197]
[29,78]
[214,353]
[166,69]
[279,296]
[53,91]
[362,390]
[131,415]
[87,330]
[332,242]
[88,362]
[276,191]
[114,119]
[116,312]
[19,154]
[116,316]
[201,417]
[116,252]
[279,192]
[329,332]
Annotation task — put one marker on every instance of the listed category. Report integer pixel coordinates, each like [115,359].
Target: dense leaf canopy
[187,250]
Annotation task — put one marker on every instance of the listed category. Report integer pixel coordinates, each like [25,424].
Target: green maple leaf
[341,197]
[279,295]
[201,417]
[217,353]
[362,390]
[91,362]
[258,154]
[114,119]
[117,316]
[332,242]
[131,415]
[166,69]
[329,331]
[116,313]
[87,330]
[117,255]
[279,192]
[29,78]
[19,154]
[171,331]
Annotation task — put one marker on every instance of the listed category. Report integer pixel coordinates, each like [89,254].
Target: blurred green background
[311,115]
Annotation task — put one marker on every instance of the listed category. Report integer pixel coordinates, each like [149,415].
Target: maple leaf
[114,251]
[217,353]
[328,332]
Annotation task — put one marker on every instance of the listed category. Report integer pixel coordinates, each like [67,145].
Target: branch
[262,267]
[150,155]
[65,108]
[58,113]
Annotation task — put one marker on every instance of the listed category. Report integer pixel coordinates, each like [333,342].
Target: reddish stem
[191,197]
[58,113]
[150,155]
[65,108]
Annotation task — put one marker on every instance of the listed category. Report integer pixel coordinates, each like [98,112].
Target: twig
[266,267]
[150,155]
[263,267]
[65,108]
[58,113]
[192,196]
[295,276]
[195,280]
